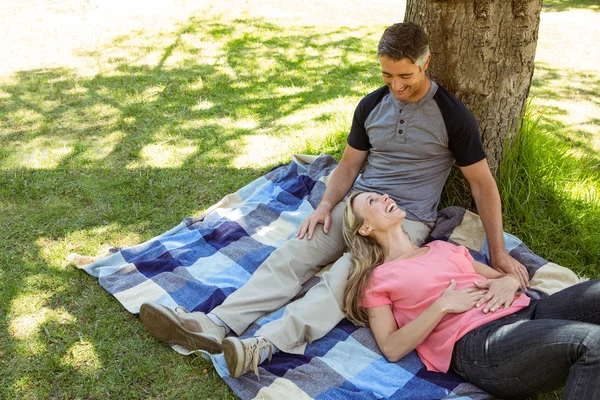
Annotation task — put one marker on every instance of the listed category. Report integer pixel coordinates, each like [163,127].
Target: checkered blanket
[201,261]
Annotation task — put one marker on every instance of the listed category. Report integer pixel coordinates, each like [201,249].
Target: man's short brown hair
[404,40]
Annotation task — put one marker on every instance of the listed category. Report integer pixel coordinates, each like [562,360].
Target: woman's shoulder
[385,270]
[449,250]
[439,244]
[442,244]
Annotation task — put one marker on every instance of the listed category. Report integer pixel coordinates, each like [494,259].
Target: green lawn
[170,120]
[564,5]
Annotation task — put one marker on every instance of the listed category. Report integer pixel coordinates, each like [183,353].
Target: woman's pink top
[410,286]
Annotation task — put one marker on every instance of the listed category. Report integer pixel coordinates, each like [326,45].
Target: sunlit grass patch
[261,150]
[39,153]
[25,116]
[563,5]
[566,102]
[31,315]
[83,358]
[161,155]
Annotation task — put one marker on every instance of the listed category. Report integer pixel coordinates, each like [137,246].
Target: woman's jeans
[555,341]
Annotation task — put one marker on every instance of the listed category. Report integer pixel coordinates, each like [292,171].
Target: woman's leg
[580,302]
[516,358]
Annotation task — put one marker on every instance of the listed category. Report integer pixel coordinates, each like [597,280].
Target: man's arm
[487,200]
[339,185]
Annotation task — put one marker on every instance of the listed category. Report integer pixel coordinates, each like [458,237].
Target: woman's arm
[396,342]
[486,271]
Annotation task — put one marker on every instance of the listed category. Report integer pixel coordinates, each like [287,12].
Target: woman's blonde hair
[366,255]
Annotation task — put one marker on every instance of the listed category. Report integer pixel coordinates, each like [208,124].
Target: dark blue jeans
[555,341]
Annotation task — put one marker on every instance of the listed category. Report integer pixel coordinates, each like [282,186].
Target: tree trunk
[483,53]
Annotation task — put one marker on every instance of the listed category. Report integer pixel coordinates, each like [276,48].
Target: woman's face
[378,211]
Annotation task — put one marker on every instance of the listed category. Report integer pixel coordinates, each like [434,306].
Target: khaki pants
[280,278]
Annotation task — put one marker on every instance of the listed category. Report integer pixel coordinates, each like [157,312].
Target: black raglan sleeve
[358,137]
[464,138]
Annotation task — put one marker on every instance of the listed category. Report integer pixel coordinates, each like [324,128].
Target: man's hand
[320,216]
[500,292]
[503,262]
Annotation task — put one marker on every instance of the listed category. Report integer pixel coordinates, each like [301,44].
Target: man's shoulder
[379,92]
[373,98]
[464,138]
[446,99]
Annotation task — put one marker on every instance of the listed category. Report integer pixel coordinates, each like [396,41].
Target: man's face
[406,80]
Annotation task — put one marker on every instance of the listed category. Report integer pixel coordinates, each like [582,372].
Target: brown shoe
[194,331]
[244,355]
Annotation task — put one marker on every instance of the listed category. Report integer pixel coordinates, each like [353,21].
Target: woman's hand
[458,301]
[500,292]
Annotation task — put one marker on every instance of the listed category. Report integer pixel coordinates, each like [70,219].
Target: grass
[550,182]
[565,5]
[119,142]
[174,121]
[550,194]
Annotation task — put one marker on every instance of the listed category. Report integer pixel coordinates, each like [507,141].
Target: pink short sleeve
[374,297]
[466,253]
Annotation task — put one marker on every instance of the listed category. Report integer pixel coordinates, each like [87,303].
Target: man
[410,133]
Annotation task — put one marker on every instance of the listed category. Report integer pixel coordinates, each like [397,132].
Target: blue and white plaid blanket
[201,261]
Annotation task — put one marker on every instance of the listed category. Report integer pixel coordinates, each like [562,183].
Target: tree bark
[483,52]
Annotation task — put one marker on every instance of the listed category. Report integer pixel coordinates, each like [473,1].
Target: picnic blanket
[198,263]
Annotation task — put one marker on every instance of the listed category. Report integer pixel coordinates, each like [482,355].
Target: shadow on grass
[565,5]
[223,77]
[84,165]
[73,335]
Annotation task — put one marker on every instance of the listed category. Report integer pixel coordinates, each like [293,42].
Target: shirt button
[400,131]
[401,121]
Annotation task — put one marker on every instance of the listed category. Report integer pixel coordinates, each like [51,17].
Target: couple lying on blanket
[410,132]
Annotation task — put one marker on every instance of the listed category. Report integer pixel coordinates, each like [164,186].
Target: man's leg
[272,285]
[321,309]
[306,319]
[282,275]
[312,316]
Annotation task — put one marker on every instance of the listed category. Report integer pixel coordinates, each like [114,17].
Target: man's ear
[364,230]
[426,65]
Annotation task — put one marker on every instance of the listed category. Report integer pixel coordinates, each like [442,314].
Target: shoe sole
[164,327]
[232,347]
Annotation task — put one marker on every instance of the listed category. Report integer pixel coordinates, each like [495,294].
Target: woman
[461,314]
